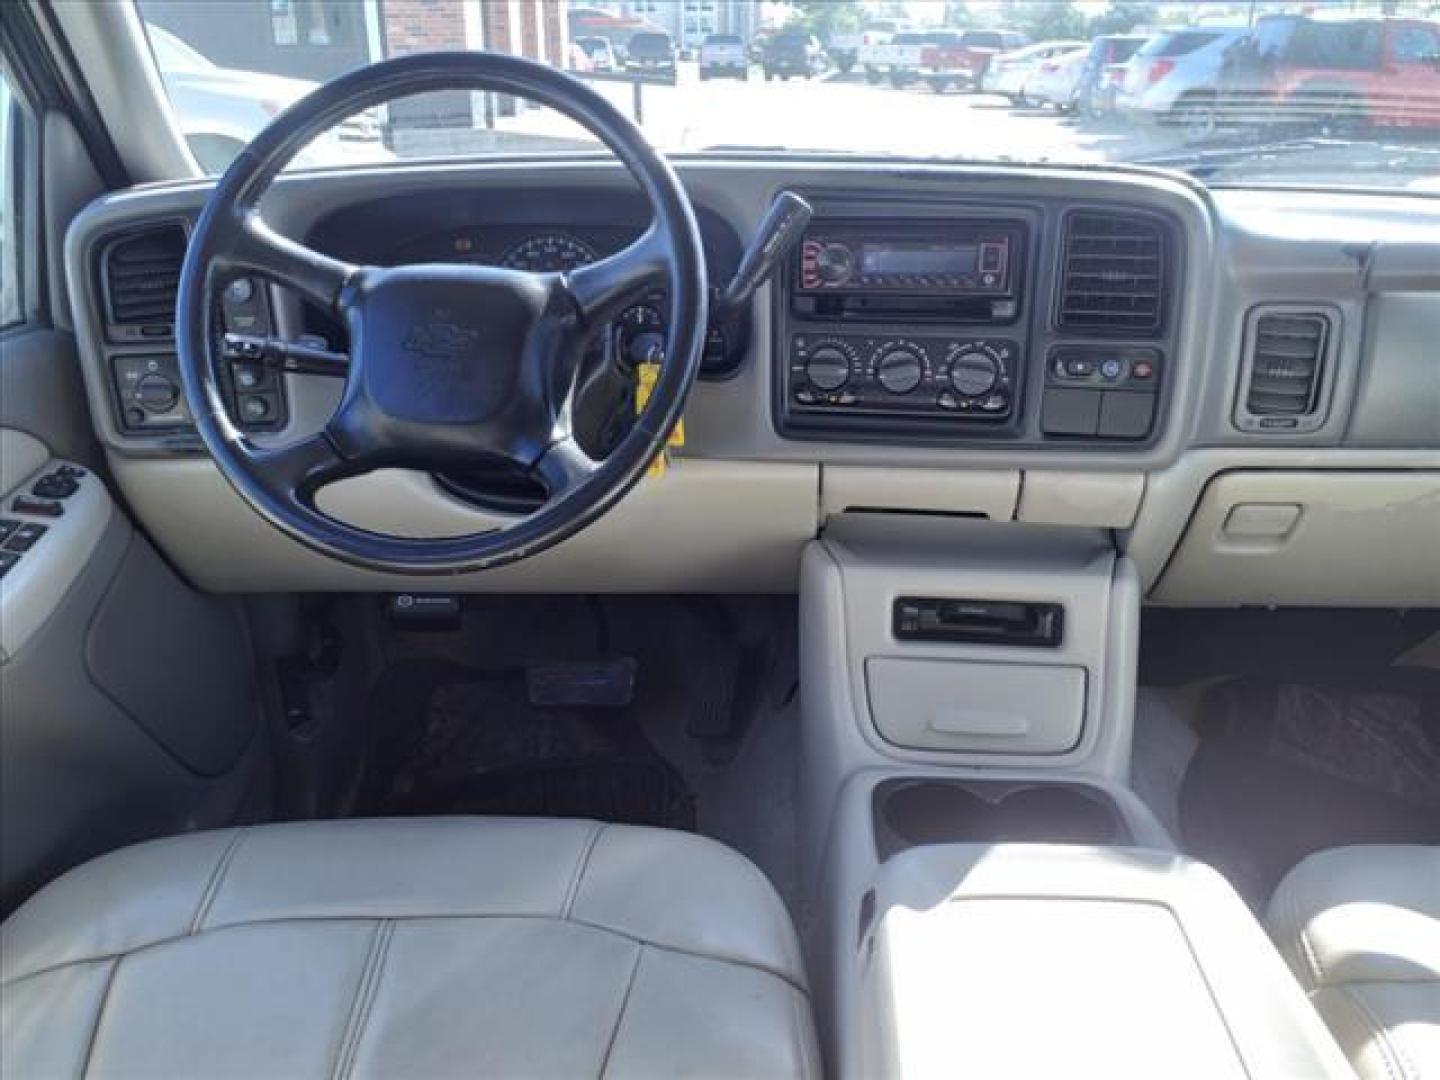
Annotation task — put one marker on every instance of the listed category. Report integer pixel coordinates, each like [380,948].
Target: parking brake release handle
[779,231]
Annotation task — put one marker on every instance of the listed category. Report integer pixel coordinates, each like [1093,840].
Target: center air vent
[141,275]
[1284,371]
[1113,277]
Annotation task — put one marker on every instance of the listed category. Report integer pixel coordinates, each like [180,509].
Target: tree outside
[1124,16]
[827,18]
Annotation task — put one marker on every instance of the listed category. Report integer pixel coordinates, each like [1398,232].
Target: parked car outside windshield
[220,110]
[650,52]
[722,56]
[793,54]
[1008,71]
[1174,78]
[600,52]
[1317,93]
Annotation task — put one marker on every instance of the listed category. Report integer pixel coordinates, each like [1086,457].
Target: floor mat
[1287,768]
[453,739]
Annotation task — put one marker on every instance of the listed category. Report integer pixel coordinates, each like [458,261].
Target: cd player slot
[959,309]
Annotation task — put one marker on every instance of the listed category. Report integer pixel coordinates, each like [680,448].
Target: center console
[1040,960]
[991,898]
[952,322]
[906,323]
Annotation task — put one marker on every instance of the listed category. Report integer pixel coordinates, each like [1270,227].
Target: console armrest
[1041,961]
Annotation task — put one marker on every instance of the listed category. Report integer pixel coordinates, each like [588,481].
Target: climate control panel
[961,378]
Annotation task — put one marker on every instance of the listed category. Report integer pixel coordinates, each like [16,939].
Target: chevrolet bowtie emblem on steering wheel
[439,342]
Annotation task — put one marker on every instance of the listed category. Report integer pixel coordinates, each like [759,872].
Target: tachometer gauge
[548,253]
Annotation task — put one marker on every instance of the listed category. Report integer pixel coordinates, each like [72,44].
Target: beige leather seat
[1361,928]
[408,948]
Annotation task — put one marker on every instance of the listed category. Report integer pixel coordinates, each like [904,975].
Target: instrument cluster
[638,334]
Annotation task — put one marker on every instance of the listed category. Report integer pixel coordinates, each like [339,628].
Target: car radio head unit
[941,258]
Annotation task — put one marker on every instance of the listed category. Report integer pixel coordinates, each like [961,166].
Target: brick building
[534,28]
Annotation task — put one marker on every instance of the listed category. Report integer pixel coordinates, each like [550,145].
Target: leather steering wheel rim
[454,376]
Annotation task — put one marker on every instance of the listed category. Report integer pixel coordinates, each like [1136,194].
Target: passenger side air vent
[140,274]
[1284,371]
[1113,277]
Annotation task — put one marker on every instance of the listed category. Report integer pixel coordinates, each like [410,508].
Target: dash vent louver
[1113,279]
[1284,371]
[141,275]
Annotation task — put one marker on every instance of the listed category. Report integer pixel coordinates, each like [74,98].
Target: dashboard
[1103,349]
[538,231]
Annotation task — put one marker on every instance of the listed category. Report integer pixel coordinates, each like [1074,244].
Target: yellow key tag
[647,374]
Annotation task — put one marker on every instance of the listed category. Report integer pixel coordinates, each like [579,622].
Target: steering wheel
[449,364]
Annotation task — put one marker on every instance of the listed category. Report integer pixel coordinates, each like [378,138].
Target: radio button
[835,263]
[899,370]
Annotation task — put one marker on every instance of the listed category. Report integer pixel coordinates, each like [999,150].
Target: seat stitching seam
[582,864]
[620,1015]
[1308,952]
[783,976]
[1394,1059]
[217,878]
[99,1016]
[801,1044]
[365,994]
[805,1032]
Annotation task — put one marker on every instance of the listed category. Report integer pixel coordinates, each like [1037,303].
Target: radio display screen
[959,260]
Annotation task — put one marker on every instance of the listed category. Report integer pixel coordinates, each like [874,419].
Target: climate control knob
[973,373]
[828,368]
[155,393]
[899,370]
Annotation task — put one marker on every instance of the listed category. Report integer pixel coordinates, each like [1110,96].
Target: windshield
[1313,92]
[1180,44]
[172,54]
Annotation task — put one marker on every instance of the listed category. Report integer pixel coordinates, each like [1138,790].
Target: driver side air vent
[1284,370]
[1112,280]
[140,275]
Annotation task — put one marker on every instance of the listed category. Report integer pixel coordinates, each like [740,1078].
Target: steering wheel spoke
[602,289]
[298,469]
[319,277]
[564,465]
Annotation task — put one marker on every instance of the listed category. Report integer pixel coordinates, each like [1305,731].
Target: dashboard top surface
[1239,249]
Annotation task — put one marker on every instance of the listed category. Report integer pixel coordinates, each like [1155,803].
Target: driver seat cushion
[408,947]
[1360,927]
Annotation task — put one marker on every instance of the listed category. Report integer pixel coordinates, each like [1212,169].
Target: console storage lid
[1030,960]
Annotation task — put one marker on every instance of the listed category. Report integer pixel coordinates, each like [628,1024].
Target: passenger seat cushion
[408,947]
[1360,927]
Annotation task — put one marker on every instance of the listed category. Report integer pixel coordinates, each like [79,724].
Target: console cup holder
[910,813]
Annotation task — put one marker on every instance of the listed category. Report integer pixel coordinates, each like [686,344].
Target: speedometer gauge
[548,253]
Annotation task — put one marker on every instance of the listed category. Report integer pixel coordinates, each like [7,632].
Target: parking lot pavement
[844,113]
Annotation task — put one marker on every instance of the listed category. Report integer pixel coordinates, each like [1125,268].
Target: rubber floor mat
[452,739]
[1284,769]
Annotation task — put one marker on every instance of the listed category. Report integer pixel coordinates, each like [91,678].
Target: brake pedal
[601,683]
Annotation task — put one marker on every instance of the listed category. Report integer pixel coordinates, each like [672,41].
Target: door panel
[129,702]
